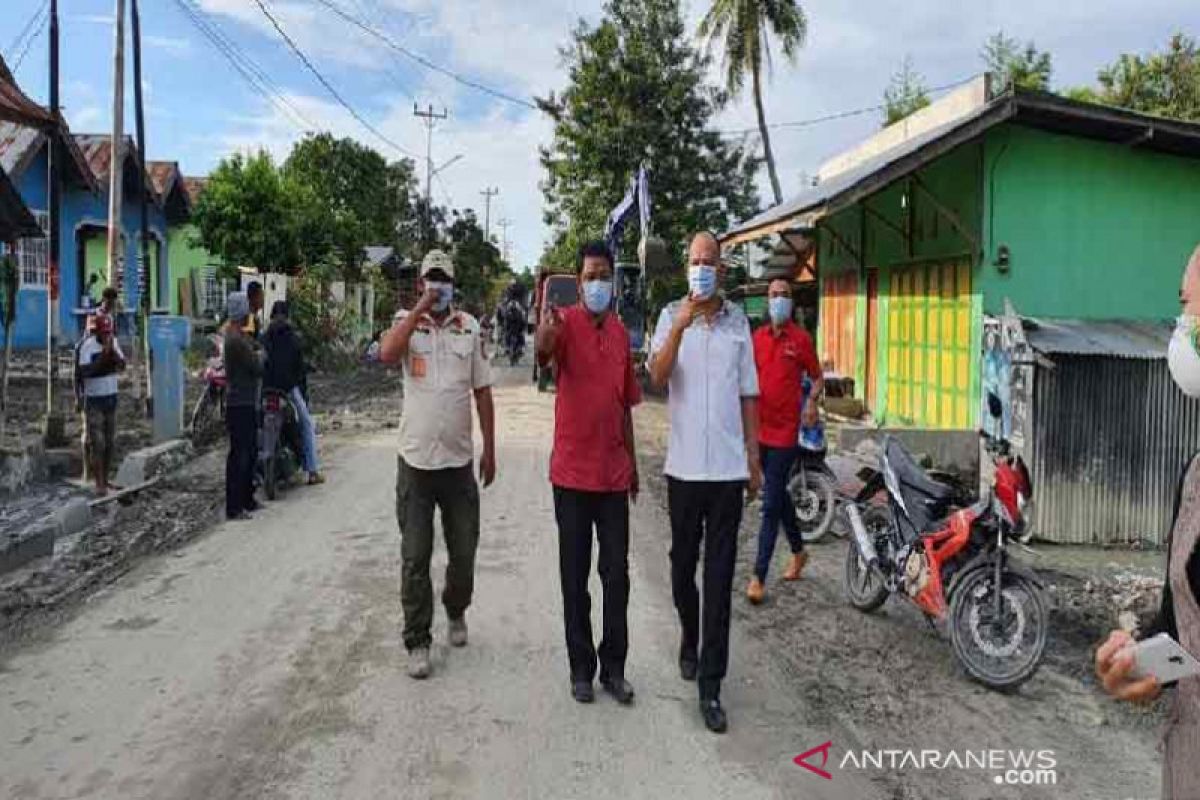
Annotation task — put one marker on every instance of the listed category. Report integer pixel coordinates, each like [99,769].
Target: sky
[199,109]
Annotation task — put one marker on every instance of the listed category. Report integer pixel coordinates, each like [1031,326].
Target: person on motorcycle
[784,356]
[243,369]
[1179,615]
[286,372]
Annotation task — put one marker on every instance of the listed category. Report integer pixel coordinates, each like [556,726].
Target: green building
[1071,211]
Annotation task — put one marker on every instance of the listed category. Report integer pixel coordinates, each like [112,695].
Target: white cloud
[169,44]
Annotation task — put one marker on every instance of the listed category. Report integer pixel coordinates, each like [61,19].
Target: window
[212,293]
[33,255]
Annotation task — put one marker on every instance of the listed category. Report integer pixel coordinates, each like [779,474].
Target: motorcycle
[208,415]
[280,445]
[953,564]
[812,487]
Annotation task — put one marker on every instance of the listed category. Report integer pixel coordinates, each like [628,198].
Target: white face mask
[1183,355]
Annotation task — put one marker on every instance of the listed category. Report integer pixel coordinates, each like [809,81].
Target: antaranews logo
[1007,767]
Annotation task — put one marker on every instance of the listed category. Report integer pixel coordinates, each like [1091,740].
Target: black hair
[110,292]
[253,286]
[279,309]
[593,249]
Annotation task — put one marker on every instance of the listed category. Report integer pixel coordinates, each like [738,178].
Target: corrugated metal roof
[194,187]
[97,154]
[1036,109]
[1123,339]
[163,175]
[18,145]
[16,106]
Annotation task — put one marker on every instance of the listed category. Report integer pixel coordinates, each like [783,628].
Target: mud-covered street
[264,660]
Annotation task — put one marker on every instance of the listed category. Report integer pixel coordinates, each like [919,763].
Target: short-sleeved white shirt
[106,385]
[713,372]
[443,367]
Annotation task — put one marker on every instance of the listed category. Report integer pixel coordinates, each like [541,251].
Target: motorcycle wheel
[203,416]
[1001,653]
[813,495]
[864,586]
[270,479]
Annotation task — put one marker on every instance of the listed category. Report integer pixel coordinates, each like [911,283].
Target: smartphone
[1164,658]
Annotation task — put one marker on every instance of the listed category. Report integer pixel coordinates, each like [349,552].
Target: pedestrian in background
[702,351]
[254,324]
[593,468]
[444,365]
[286,373]
[244,359]
[1179,615]
[99,362]
[783,355]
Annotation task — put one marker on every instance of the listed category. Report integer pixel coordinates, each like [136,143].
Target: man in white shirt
[444,366]
[100,361]
[703,353]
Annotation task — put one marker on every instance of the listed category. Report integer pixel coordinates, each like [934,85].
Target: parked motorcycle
[280,445]
[813,489]
[953,564]
[208,415]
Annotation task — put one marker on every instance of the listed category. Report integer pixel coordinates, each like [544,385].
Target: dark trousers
[578,513]
[777,508]
[707,512]
[241,422]
[418,493]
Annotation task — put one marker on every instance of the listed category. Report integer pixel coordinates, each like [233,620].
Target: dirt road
[264,660]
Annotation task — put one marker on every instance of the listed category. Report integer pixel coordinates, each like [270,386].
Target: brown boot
[795,566]
[755,591]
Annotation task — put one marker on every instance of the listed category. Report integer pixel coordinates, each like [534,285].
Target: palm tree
[744,27]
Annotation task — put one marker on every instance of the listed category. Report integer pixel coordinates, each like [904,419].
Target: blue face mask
[702,281]
[445,294]
[780,309]
[597,295]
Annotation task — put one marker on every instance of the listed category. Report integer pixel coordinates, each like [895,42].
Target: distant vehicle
[560,290]
[630,299]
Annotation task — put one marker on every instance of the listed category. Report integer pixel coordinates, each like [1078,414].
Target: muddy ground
[181,506]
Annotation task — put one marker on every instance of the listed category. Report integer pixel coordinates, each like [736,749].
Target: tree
[475,258]
[637,92]
[365,199]
[246,217]
[905,94]
[1029,68]
[744,28]
[1166,84]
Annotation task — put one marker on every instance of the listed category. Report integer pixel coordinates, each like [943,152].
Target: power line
[250,72]
[857,112]
[328,86]
[420,59]
[25,31]
[34,35]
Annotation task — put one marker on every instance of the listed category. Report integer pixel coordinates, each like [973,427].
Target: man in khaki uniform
[441,353]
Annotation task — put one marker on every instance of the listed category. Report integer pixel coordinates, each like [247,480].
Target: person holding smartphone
[1179,616]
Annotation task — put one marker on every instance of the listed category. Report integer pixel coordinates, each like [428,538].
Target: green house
[1071,211]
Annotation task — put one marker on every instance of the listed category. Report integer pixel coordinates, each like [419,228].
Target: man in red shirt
[593,467]
[784,354]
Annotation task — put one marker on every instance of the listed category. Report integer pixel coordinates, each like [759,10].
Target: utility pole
[115,259]
[55,418]
[430,118]
[144,282]
[488,194]
[504,225]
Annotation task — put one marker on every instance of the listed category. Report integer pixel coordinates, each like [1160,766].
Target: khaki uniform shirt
[443,368]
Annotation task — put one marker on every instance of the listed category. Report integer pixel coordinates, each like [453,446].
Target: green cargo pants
[418,491]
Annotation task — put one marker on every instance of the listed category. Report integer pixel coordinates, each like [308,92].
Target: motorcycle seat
[927,500]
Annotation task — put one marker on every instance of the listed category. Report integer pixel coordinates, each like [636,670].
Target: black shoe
[583,692]
[714,716]
[620,689]
[688,669]
[253,505]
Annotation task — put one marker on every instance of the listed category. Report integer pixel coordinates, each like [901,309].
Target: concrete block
[64,462]
[22,465]
[33,542]
[149,462]
[73,516]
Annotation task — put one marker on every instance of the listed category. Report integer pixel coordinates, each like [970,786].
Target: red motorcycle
[952,563]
